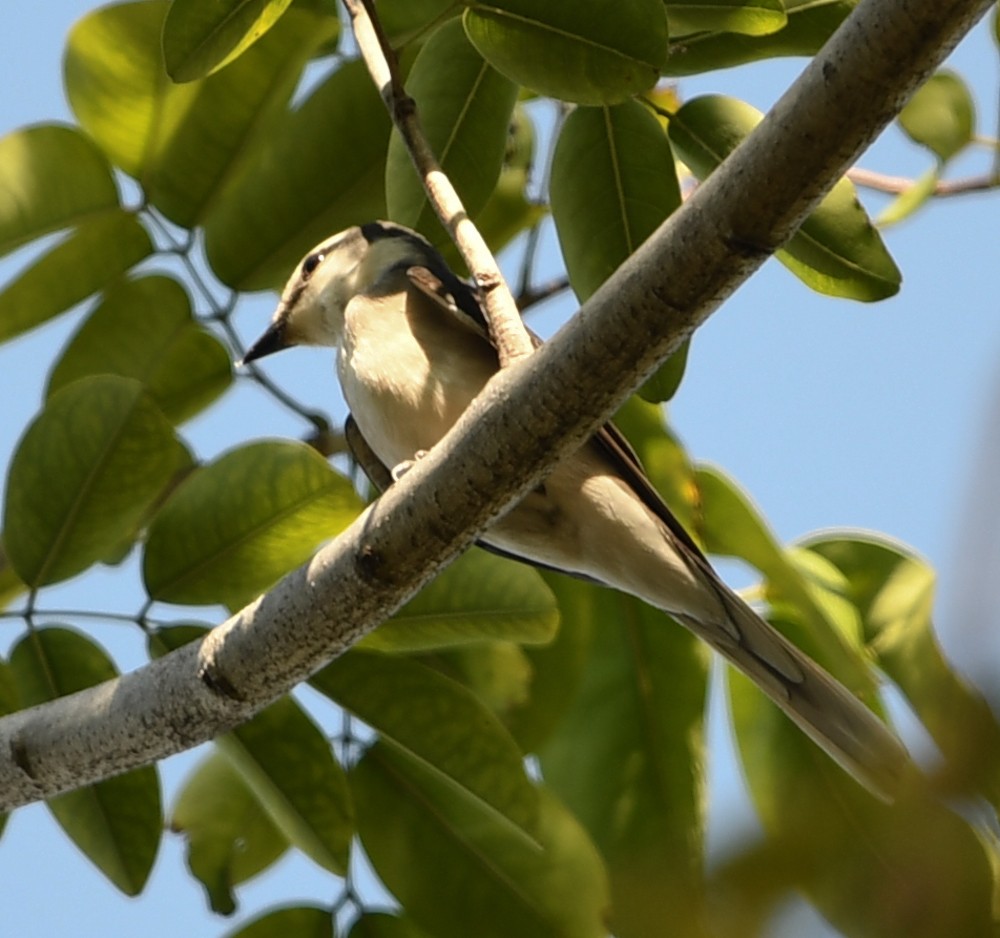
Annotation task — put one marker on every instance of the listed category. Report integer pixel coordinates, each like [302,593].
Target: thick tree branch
[507,330]
[529,416]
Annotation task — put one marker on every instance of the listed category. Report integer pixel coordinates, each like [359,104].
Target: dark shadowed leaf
[200,38]
[440,723]
[286,761]
[595,53]
[51,177]
[299,921]
[465,109]
[457,865]
[383,925]
[144,329]
[94,254]
[321,169]
[403,20]
[229,836]
[116,823]
[236,525]
[85,474]
[837,250]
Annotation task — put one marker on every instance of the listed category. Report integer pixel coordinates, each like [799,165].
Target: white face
[313,301]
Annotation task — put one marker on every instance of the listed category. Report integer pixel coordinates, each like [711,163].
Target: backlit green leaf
[117,823]
[200,38]
[478,598]
[451,861]
[229,836]
[90,257]
[51,177]
[144,329]
[236,525]
[84,475]
[837,250]
[321,169]
[941,115]
[182,142]
[809,24]
[600,52]
[751,17]
[465,109]
[286,761]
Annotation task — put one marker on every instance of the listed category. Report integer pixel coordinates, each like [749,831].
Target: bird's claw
[406,465]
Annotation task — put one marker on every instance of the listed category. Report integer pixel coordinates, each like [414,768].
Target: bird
[413,351]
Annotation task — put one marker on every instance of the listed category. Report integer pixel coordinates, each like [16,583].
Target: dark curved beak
[273,340]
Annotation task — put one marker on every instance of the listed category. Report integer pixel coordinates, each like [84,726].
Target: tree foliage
[207,132]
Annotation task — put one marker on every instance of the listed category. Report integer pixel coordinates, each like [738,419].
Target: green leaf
[90,257]
[238,524]
[438,722]
[809,24]
[480,597]
[750,17]
[167,638]
[905,204]
[629,758]
[456,867]
[894,590]
[84,476]
[200,38]
[941,115]
[383,925]
[403,20]
[601,52]
[851,854]
[51,177]
[116,823]
[181,142]
[298,921]
[229,836]
[837,250]
[144,329]
[498,673]
[286,761]
[321,169]
[662,385]
[613,183]
[465,109]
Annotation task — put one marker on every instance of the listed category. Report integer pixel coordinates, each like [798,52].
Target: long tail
[820,705]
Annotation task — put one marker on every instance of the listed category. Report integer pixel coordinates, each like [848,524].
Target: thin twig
[540,292]
[897,185]
[508,332]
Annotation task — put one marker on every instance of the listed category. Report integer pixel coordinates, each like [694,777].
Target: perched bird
[412,353]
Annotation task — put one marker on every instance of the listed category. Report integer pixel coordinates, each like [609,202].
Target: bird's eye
[311,263]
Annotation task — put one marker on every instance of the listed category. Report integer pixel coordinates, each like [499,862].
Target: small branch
[507,330]
[897,185]
[530,295]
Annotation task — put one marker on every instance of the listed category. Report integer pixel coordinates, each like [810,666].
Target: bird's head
[357,260]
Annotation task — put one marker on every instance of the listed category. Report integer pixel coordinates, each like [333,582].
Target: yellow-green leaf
[750,17]
[84,475]
[236,525]
[51,177]
[200,38]
[941,115]
[144,329]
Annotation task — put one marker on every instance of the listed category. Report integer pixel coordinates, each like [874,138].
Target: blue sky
[829,413]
